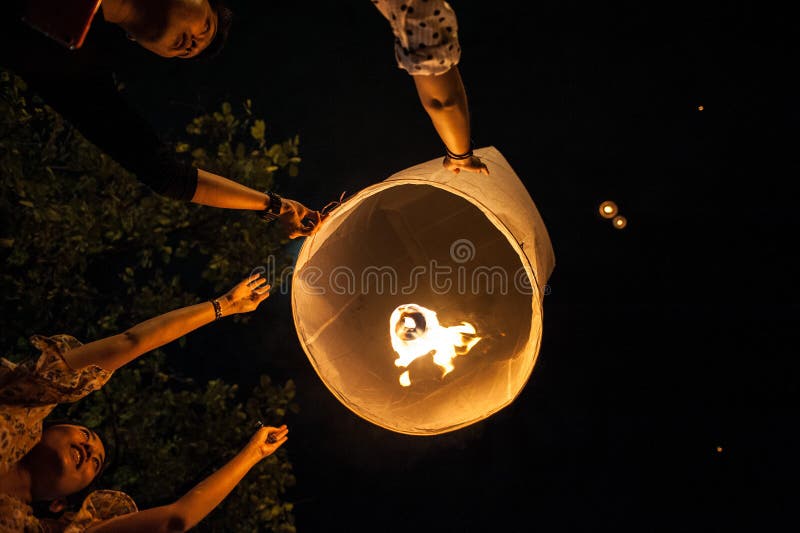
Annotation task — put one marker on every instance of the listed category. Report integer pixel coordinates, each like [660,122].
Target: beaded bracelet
[217,309]
[273,210]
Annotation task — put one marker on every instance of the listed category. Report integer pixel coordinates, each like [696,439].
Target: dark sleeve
[93,105]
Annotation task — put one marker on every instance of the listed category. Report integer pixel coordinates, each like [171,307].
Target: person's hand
[245,296]
[299,220]
[471,164]
[266,440]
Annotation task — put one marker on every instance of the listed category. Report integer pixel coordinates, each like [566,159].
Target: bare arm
[216,191]
[113,352]
[193,506]
[444,99]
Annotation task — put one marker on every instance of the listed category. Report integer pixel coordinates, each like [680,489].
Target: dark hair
[42,509]
[224,21]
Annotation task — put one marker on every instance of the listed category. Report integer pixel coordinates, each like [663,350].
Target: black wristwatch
[274,208]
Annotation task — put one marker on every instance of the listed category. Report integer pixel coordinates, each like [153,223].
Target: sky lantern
[608,209]
[419,300]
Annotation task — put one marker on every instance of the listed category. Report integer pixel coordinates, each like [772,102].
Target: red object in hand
[65,21]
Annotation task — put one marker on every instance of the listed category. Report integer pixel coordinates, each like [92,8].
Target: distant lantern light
[608,209]
[419,300]
[619,221]
[700,108]
[719,449]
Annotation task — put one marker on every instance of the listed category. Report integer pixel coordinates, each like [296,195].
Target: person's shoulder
[16,515]
[106,503]
[60,342]
[98,506]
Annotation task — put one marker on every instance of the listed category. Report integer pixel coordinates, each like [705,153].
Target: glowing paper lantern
[419,300]
[608,209]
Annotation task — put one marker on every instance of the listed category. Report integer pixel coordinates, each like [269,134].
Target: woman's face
[188,28]
[65,460]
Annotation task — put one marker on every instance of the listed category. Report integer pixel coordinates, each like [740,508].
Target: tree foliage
[89,251]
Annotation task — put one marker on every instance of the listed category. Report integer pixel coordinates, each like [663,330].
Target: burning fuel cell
[457,269]
[415,332]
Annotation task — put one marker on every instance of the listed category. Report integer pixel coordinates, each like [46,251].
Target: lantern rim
[337,216]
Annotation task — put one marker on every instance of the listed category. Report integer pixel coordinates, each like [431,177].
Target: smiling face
[65,460]
[185,28]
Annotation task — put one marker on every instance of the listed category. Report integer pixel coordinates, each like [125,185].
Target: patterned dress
[28,393]
[425,32]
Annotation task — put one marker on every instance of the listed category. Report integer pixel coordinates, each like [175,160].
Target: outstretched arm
[445,100]
[115,351]
[193,506]
[426,46]
[97,109]
[216,191]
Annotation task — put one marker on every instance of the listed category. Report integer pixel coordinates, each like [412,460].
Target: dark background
[663,342]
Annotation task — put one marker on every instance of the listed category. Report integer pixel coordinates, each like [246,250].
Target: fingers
[275,434]
[311,222]
[474,165]
[307,226]
[278,442]
[480,167]
[306,230]
[260,295]
[263,433]
[301,221]
[275,437]
[263,289]
[255,279]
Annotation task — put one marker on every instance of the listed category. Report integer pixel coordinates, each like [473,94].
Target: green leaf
[258,130]
[90,251]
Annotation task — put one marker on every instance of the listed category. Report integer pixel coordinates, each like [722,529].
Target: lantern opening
[473,255]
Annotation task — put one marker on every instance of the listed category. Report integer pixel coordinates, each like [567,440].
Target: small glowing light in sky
[620,221]
[608,209]
[700,108]
[719,449]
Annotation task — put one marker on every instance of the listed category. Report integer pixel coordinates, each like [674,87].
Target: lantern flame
[415,331]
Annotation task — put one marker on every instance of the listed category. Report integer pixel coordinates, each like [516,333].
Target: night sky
[660,398]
